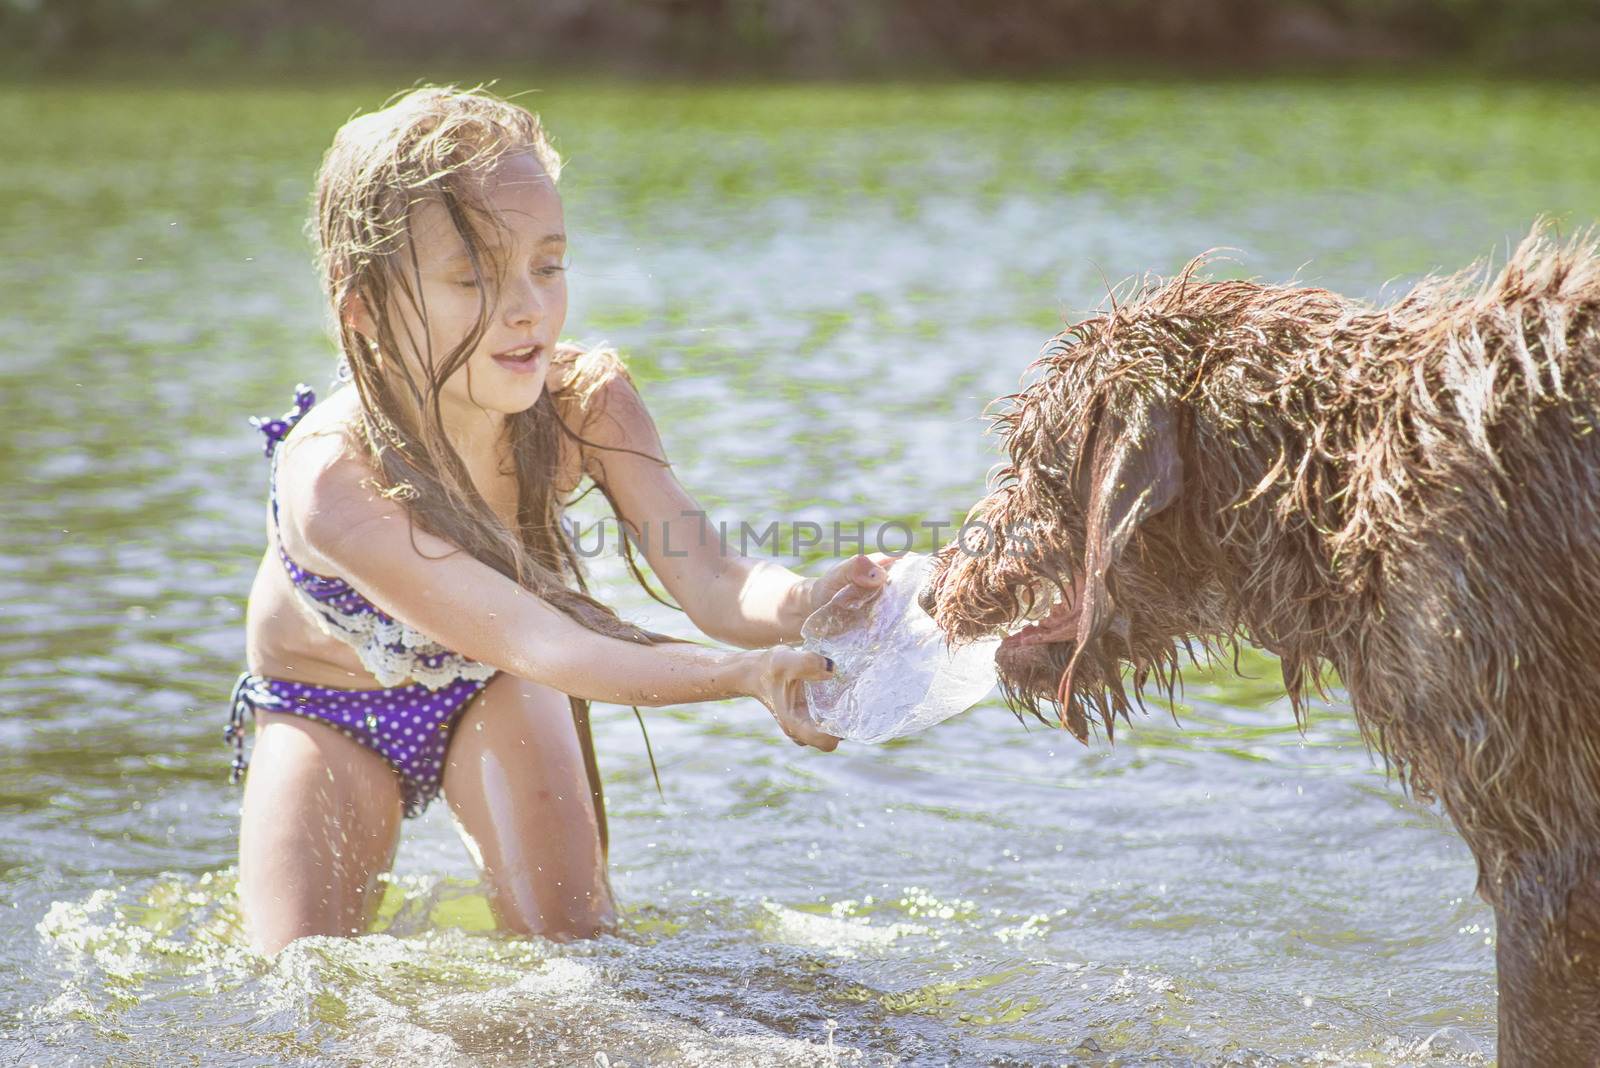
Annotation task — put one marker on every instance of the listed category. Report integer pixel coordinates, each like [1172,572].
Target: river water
[818,289]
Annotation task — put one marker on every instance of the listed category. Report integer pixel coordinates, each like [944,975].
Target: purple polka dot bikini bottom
[409,726]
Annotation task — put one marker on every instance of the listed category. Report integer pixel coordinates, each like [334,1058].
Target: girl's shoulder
[330,431]
[582,378]
[596,397]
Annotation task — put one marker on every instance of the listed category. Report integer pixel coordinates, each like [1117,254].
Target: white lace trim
[372,639]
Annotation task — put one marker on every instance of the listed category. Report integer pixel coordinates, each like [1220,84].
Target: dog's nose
[926,600]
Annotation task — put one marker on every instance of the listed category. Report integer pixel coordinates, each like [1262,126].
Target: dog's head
[1084,540]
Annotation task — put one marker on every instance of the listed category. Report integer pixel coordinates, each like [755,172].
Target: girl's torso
[282,638]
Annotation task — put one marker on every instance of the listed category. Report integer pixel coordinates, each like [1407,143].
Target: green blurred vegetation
[798,37]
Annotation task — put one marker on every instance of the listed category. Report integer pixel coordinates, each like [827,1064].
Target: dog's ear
[1128,470]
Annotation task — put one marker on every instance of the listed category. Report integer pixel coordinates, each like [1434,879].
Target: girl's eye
[552,270]
[469,283]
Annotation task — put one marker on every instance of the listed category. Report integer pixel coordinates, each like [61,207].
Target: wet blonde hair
[432,144]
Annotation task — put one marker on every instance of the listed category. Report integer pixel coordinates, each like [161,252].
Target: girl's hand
[779,680]
[866,573]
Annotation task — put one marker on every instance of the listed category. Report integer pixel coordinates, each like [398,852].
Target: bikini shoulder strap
[277,429]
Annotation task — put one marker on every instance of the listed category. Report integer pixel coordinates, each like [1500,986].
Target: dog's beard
[1033,670]
[1034,656]
[1035,652]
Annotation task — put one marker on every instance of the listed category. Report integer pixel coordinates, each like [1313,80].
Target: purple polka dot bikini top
[387,647]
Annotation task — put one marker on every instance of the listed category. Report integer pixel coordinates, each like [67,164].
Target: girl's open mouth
[522,361]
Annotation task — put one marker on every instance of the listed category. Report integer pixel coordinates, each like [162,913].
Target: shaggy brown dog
[1410,495]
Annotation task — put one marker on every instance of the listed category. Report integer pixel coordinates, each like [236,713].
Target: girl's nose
[522,302]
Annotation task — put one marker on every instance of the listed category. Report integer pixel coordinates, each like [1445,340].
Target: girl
[419,622]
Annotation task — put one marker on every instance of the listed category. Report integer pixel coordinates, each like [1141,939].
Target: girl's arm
[467,606]
[727,595]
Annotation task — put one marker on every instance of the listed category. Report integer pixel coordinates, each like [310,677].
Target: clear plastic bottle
[894,674]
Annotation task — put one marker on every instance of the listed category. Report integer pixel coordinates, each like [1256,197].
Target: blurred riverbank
[807,39]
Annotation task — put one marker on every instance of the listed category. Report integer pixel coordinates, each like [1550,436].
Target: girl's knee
[567,930]
[583,919]
[580,930]
[272,941]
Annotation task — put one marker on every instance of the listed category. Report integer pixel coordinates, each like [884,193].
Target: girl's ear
[354,313]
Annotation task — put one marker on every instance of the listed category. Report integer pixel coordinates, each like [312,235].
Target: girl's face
[505,371]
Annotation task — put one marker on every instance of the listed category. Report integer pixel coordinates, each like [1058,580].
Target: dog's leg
[1550,981]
